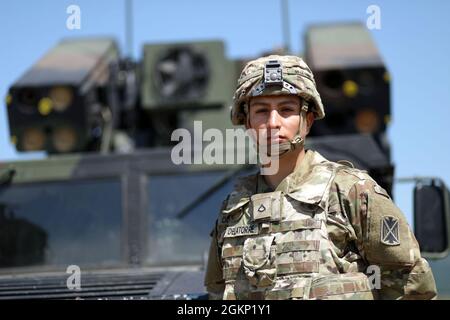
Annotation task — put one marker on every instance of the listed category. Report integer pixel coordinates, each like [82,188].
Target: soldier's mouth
[276,139]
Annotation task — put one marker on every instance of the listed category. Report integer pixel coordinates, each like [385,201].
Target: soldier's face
[277,116]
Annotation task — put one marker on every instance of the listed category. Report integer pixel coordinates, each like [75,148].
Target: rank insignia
[389,231]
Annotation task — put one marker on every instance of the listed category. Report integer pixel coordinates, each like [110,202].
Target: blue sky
[414,42]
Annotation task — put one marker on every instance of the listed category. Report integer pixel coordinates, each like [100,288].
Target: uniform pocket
[347,286]
[259,260]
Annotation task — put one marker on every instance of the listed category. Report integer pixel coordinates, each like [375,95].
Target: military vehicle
[109,215]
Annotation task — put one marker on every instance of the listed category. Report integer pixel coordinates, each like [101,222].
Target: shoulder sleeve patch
[389,231]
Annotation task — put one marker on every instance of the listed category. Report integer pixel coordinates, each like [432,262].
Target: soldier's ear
[247,119]
[309,121]
[247,122]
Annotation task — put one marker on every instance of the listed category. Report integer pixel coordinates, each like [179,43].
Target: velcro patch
[389,231]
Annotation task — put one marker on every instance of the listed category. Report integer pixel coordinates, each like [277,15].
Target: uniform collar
[306,174]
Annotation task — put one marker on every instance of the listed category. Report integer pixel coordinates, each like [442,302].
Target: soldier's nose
[274,120]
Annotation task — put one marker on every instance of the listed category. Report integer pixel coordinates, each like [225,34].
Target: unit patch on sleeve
[389,231]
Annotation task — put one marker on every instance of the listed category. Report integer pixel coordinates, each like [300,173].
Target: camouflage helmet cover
[256,77]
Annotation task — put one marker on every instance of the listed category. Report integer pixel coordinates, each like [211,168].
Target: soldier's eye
[288,110]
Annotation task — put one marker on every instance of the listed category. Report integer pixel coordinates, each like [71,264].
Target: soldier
[315,229]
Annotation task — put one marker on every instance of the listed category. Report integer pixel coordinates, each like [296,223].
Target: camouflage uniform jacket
[328,231]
